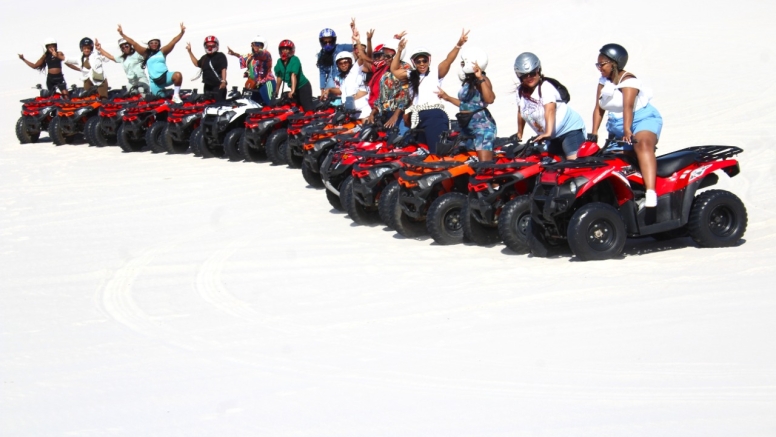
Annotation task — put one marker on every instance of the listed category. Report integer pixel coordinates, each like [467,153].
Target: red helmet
[211,40]
[286,43]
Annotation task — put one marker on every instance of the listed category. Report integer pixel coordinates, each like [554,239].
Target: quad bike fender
[620,187]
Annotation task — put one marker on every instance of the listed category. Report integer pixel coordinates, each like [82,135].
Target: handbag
[464,118]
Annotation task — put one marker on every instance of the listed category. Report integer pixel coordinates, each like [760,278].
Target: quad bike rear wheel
[194,142]
[292,159]
[596,232]
[443,221]
[172,146]
[513,224]
[98,138]
[475,231]
[232,143]
[273,145]
[312,178]
[23,132]
[718,218]
[56,135]
[359,213]
[154,137]
[127,143]
[386,201]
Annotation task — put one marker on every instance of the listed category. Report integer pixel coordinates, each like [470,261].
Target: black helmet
[85,42]
[616,53]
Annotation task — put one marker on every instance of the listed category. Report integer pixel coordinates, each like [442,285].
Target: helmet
[49,41]
[343,55]
[419,52]
[379,48]
[154,39]
[327,33]
[471,55]
[85,42]
[286,43]
[211,40]
[616,53]
[258,39]
[390,45]
[526,63]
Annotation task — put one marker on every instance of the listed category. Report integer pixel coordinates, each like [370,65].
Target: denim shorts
[155,89]
[645,119]
[568,143]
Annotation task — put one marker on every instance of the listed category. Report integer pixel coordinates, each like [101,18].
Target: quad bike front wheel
[23,132]
[194,142]
[386,202]
[443,221]
[596,232]
[154,137]
[311,177]
[717,219]
[56,134]
[513,224]
[127,142]
[250,154]
[232,144]
[273,146]
[359,213]
[402,223]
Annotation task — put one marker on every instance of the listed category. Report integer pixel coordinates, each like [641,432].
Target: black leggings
[219,94]
[304,96]
[54,81]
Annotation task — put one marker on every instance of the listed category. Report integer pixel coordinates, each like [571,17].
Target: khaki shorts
[102,90]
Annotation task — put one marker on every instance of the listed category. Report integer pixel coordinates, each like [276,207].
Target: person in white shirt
[426,112]
[539,104]
[91,66]
[631,116]
[131,61]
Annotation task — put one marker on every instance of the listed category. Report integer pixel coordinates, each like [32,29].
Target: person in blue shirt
[155,62]
[327,68]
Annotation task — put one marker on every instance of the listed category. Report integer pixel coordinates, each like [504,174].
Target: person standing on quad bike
[349,85]
[51,60]
[473,99]
[539,103]
[155,61]
[388,96]
[131,61]
[212,67]
[326,57]
[259,70]
[426,112]
[91,67]
[631,116]
[288,70]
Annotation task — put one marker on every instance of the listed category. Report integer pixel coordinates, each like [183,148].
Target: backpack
[565,97]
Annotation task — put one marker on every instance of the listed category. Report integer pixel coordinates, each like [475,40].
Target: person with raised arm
[258,67]
[631,116]
[426,112]
[51,61]
[327,68]
[473,99]
[131,61]
[155,61]
[91,68]
[212,66]
[288,71]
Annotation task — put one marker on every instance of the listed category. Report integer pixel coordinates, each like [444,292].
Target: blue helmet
[328,33]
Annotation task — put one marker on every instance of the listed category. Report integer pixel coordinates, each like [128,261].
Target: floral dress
[482,126]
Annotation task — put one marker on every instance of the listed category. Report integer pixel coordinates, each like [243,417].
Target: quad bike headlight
[266,124]
[321,144]
[81,112]
[45,111]
[429,181]
[189,118]
[379,171]
[575,184]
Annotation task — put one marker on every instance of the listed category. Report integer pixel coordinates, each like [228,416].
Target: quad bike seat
[670,163]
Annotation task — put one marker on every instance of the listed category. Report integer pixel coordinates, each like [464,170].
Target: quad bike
[138,130]
[363,195]
[594,203]
[287,146]
[498,206]
[223,124]
[101,130]
[37,114]
[184,122]
[72,116]
[320,139]
[337,167]
[432,191]
[260,124]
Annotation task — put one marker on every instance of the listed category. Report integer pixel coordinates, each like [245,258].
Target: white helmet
[418,52]
[344,55]
[390,44]
[122,41]
[470,55]
[49,41]
[260,39]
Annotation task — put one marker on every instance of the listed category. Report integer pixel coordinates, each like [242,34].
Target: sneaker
[650,200]
[176,99]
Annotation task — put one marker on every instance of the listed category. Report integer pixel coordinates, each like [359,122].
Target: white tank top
[611,95]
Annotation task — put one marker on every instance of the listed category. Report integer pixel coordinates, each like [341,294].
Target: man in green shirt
[289,70]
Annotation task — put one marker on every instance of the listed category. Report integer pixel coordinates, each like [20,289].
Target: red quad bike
[432,191]
[290,143]
[37,113]
[101,130]
[365,196]
[260,125]
[321,139]
[135,132]
[596,202]
[499,205]
[337,167]
[183,123]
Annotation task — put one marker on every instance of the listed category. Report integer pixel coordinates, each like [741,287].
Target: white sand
[167,295]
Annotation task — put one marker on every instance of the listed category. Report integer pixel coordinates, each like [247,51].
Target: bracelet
[458,47]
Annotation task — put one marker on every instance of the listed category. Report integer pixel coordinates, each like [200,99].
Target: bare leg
[645,151]
[177,78]
[485,155]
[571,157]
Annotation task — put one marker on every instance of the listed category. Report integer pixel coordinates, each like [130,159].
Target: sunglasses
[600,65]
[420,60]
[124,46]
[527,75]
[343,61]
[327,41]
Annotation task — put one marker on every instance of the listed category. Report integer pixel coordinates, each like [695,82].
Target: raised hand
[121,31]
[400,35]
[464,37]
[402,44]
[183,28]
[21,56]
[353,24]
[369,34]
[441,94]
[188,46]
[231,52]
[477,70]
[52,50]
[97,44]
